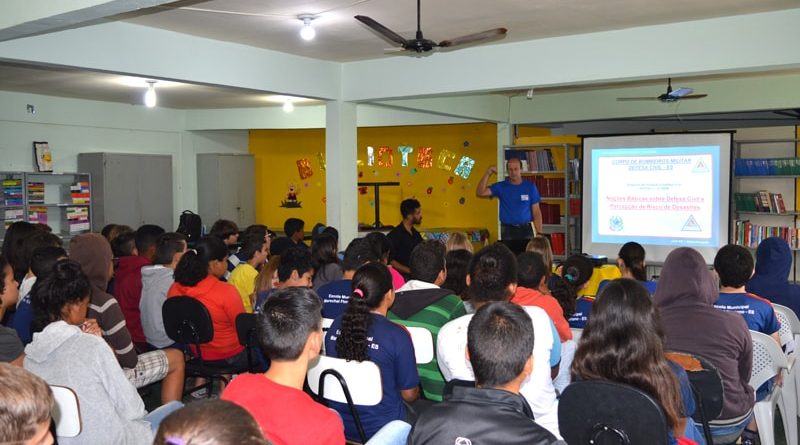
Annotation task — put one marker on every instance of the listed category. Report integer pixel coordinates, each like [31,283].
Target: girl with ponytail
[362,333]
[631,264]
[197,275]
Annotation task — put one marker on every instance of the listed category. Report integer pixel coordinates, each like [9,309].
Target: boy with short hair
[290,333]
[253,255]
[296,269]
[25,406]
[294,232]
[336,294]
[156,281]
[493,411]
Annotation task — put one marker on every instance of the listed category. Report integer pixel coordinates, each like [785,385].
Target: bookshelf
[556,170]
[60,200]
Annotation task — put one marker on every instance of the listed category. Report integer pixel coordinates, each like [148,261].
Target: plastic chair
[604,413]
[353,383]
[576,335]
[188,322]
[707,388]
[326,324]
[66,412]
[246,331]
[769,361]
[789,332]
[423,344]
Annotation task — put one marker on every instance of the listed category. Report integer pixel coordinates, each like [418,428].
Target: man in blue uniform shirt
[519,204]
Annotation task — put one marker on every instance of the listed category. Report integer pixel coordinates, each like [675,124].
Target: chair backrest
[604,413]
[363,380]
[576,334]
[423,344]
[187,321]
[66,412]
[790,327]
[768,359]
[246,329]
[326,324]
[706,384]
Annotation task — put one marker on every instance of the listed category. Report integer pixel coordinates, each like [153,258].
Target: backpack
[191,226]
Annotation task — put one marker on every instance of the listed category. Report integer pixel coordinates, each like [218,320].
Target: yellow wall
[276,153]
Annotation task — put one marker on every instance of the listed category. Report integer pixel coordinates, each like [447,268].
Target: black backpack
[191,226]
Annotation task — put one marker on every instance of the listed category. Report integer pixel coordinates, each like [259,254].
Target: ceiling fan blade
[681,92]
[624,99]
[694,96]
[382,30]
[477,37]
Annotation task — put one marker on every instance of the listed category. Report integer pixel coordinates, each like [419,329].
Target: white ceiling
[272,24]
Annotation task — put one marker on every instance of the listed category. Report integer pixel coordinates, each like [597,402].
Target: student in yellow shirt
[253,255]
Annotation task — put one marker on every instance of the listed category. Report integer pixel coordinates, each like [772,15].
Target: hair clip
[174,440]
[569,277]
[194,251]
[358,292]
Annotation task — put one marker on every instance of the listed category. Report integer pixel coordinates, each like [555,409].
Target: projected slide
[662,194]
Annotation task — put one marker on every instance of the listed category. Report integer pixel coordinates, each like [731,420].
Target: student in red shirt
[290,333]
[531,284]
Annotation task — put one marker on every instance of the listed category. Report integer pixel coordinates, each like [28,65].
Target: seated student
[156,281]
[93,253]
[25,406]
[734,266]
[41,265]
[631,264]
[294,234]
[253,254]
[492,277]
[327,267]
[69,351]
[456,262]
[295,269]
[531,276]
[336,294]
[210,422]
[381,244]
[364,333]
[493,411]
[133,251]
[253,230]
[564,294]
[197,275]
[685,296]
[225,230]
[30,243]
[10,346]
[622,343]
[771,280]
[458,241]
[541,245]
[577,271]
[12,247]
[422,303]
[290,334]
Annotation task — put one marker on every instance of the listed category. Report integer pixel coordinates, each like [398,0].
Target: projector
[597,260]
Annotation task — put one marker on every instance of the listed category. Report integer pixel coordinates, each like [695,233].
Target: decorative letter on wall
[385,157]
[443,161]
[404,151]
[304,168]
[464,167]
[370,156]
[425,157]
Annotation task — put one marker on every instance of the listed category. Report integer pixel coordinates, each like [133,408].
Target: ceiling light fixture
[150,98]
[288,106]
[307,33]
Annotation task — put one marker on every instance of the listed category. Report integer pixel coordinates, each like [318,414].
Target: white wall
[73,126]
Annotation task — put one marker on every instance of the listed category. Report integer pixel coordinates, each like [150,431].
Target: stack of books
[12,192]
[36,193]
[750,235]
[78,219]
[37,214]
[548,187]
[80,192]
[13,215]
[761,201]
[533,160]
[551,213]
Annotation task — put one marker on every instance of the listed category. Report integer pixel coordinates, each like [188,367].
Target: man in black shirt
[404,237]
[499,345]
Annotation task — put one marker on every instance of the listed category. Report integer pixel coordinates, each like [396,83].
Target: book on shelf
[12,192]
[37,214]
[750,235]
[548,187]
[79,192]
[13,215]
[35,192]
[761,201]
[533,160]
[77,219]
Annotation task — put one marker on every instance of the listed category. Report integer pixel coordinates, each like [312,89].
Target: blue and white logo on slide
[615,223]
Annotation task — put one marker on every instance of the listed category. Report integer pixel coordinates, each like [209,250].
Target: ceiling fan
[670,96]
[420,44]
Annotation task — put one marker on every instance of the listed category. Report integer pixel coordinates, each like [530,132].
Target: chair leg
[765,418]
[786,403]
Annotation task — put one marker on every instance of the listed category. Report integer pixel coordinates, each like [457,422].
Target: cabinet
[763,202]
[556,171]
[225,188]
[63,201]
[130,189]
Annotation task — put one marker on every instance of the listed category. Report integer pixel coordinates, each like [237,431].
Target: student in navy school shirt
[576,271]
[336,294]
[362,333]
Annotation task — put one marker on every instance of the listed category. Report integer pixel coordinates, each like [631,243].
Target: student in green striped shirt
[422,303]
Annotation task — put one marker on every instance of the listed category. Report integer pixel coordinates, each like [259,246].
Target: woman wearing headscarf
[685,296]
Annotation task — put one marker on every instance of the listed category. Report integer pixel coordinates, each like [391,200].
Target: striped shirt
[105,309]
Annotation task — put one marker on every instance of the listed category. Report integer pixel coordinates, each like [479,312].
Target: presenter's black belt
[516,225]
